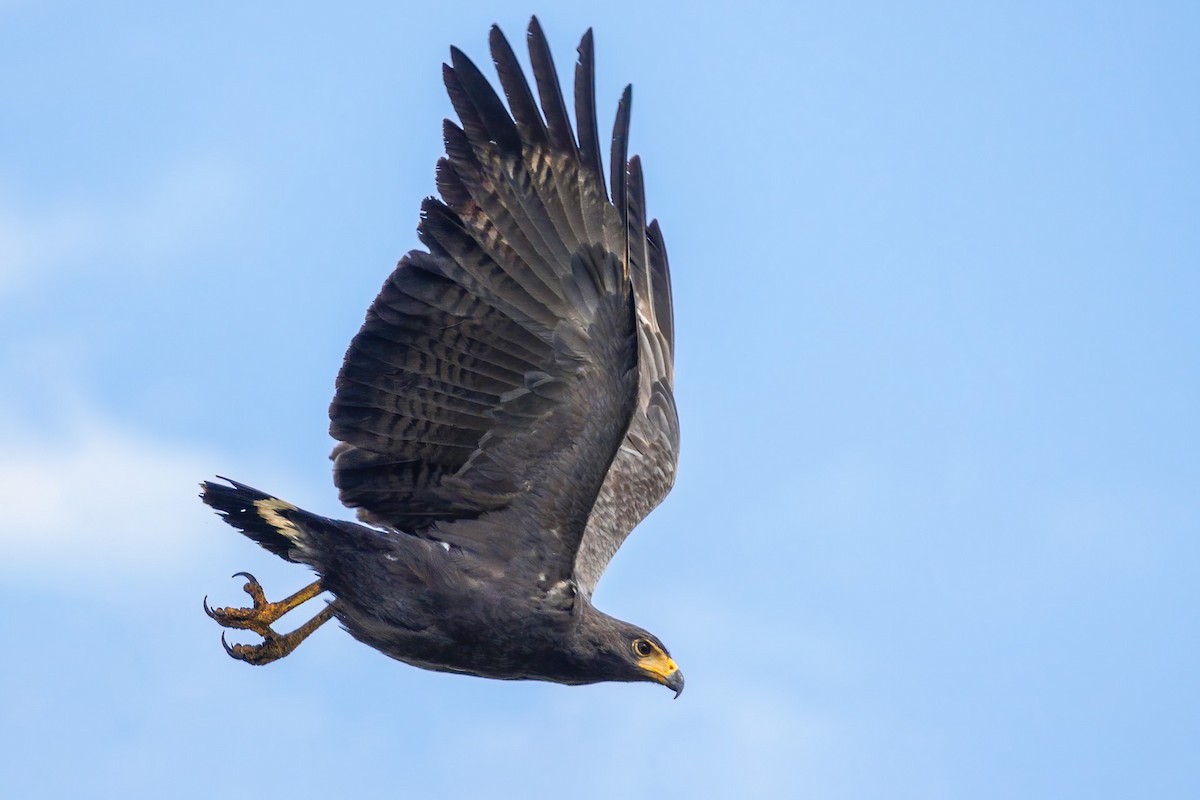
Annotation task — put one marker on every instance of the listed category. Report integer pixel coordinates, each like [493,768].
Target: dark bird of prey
[505,416]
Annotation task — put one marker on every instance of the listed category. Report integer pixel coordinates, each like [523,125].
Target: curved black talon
[250,653]
[273,648]
[208,610]
[252,588]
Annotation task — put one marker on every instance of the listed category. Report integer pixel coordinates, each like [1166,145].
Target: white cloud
[97,497]
[76,489]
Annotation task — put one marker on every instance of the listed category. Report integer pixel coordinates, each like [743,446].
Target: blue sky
[937,274]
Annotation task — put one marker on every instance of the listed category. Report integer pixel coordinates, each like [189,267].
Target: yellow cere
[659,663]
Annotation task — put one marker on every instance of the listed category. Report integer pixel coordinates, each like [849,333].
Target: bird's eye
[643,647]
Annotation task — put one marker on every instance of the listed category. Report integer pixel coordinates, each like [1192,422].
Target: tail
[271,522]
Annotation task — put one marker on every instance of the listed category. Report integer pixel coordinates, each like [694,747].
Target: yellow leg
[261,615]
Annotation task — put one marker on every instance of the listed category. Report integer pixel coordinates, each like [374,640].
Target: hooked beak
[661,668]
[674,680]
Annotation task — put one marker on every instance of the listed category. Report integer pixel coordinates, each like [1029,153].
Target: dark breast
[450,623]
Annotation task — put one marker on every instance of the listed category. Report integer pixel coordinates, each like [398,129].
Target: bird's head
[629,653]
[653,662]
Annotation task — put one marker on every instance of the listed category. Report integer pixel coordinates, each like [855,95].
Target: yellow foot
[261,615]
[274,646]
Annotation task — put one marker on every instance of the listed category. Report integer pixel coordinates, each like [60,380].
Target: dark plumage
[505,415]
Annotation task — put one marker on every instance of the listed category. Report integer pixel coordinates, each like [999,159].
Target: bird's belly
[497,641]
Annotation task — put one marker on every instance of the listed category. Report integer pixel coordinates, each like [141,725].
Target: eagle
[505,416]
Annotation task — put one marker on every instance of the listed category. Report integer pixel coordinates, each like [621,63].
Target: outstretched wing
[643,471]
[494,380]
